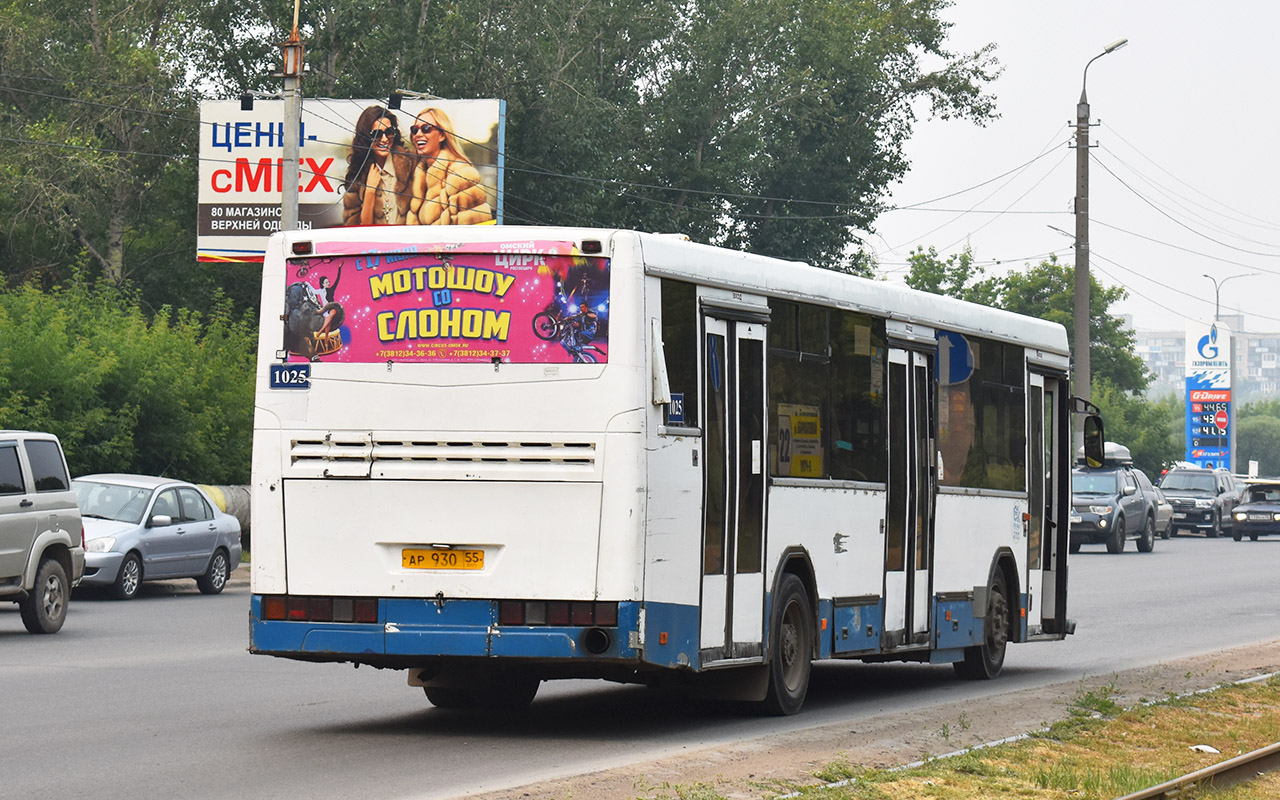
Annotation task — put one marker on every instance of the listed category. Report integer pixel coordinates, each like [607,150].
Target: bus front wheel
[790,648]
[984,661]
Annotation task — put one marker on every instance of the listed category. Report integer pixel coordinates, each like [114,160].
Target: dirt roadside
[753,769]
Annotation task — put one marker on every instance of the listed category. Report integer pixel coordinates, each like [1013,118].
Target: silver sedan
[138,527]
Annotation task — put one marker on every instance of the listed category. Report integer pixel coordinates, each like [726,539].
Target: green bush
[170,394]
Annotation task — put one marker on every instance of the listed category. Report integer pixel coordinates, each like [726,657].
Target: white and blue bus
[494,456]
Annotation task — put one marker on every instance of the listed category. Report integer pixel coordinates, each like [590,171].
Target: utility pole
[1080,294]
[292,75]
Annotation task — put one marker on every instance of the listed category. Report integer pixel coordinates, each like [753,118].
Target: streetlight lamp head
[1114,46]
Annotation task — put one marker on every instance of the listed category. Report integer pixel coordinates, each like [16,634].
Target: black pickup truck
[1113,503]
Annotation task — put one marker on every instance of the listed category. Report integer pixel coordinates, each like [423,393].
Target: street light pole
[1231,360]
[1217,289]
[1080,296]
[292,75]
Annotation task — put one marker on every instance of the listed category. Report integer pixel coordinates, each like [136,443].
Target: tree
[759,124]
[1258,436]
[100,119]
[1151,430]
[1045,291]
[164,394]
[1258,439]
[957,276]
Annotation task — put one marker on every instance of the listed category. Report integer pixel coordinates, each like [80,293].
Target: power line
[1047,148]
[1198,298]
[1177,199]
[1179,222]
[1181,248]
[1016,200]
[1264,222]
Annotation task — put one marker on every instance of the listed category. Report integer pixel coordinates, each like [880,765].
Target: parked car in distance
[1164,512]
[139,528]
[1203,499]
[1259,514]
[1112,503]
[41,539]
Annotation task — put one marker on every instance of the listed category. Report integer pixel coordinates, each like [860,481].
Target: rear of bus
[441,426]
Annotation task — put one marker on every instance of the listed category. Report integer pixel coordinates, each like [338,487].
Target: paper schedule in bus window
[799,441]
[505,307]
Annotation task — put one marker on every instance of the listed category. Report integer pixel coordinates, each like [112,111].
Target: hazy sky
[1185,116]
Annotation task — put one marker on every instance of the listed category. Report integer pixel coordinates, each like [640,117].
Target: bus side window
[826,379]
[680,346]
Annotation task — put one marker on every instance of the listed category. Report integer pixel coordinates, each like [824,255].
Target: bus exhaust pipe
[596,641]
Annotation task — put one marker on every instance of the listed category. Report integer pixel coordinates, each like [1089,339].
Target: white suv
[41,537]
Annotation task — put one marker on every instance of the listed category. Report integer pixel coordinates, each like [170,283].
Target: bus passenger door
[733,490]
[1047,439]
[908,551]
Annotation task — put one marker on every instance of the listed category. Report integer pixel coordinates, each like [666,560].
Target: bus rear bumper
[409,630]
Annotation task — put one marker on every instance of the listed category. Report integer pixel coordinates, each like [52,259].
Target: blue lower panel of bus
[857,626]
[417,627]
[955,624]
[469,628]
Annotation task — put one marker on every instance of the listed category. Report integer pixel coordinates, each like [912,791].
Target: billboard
[1209,413]
[529,302]
[431,162]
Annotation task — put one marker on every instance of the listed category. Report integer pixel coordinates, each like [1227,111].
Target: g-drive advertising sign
[430,162]
[1209,413]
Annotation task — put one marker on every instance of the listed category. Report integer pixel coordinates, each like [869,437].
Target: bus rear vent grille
[507,452]
[333,450]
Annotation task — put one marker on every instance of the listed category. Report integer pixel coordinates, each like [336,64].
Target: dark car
[1203,499]
[1112,503]
[1259,514]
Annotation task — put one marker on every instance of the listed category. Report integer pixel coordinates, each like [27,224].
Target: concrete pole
[291,50]
[1080,295]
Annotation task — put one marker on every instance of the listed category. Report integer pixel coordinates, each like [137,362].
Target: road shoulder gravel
[758,768]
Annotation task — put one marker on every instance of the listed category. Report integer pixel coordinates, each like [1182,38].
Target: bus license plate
[411,558]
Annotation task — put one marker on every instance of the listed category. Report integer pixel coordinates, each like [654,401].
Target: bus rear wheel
[984,661]
[790,649]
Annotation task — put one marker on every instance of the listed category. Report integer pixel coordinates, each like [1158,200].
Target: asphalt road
[160,696]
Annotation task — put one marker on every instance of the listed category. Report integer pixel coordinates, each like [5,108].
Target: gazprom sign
[1209,414]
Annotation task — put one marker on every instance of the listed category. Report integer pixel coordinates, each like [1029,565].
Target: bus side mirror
[1094,436]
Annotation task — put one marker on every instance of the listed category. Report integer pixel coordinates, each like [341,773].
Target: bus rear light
[561,613]
[557,613]
[607,614]
[580,614]
[510,612]
[321,609]
[366,609]
[299,608]
[535,613]
[344,609]
[273,607]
